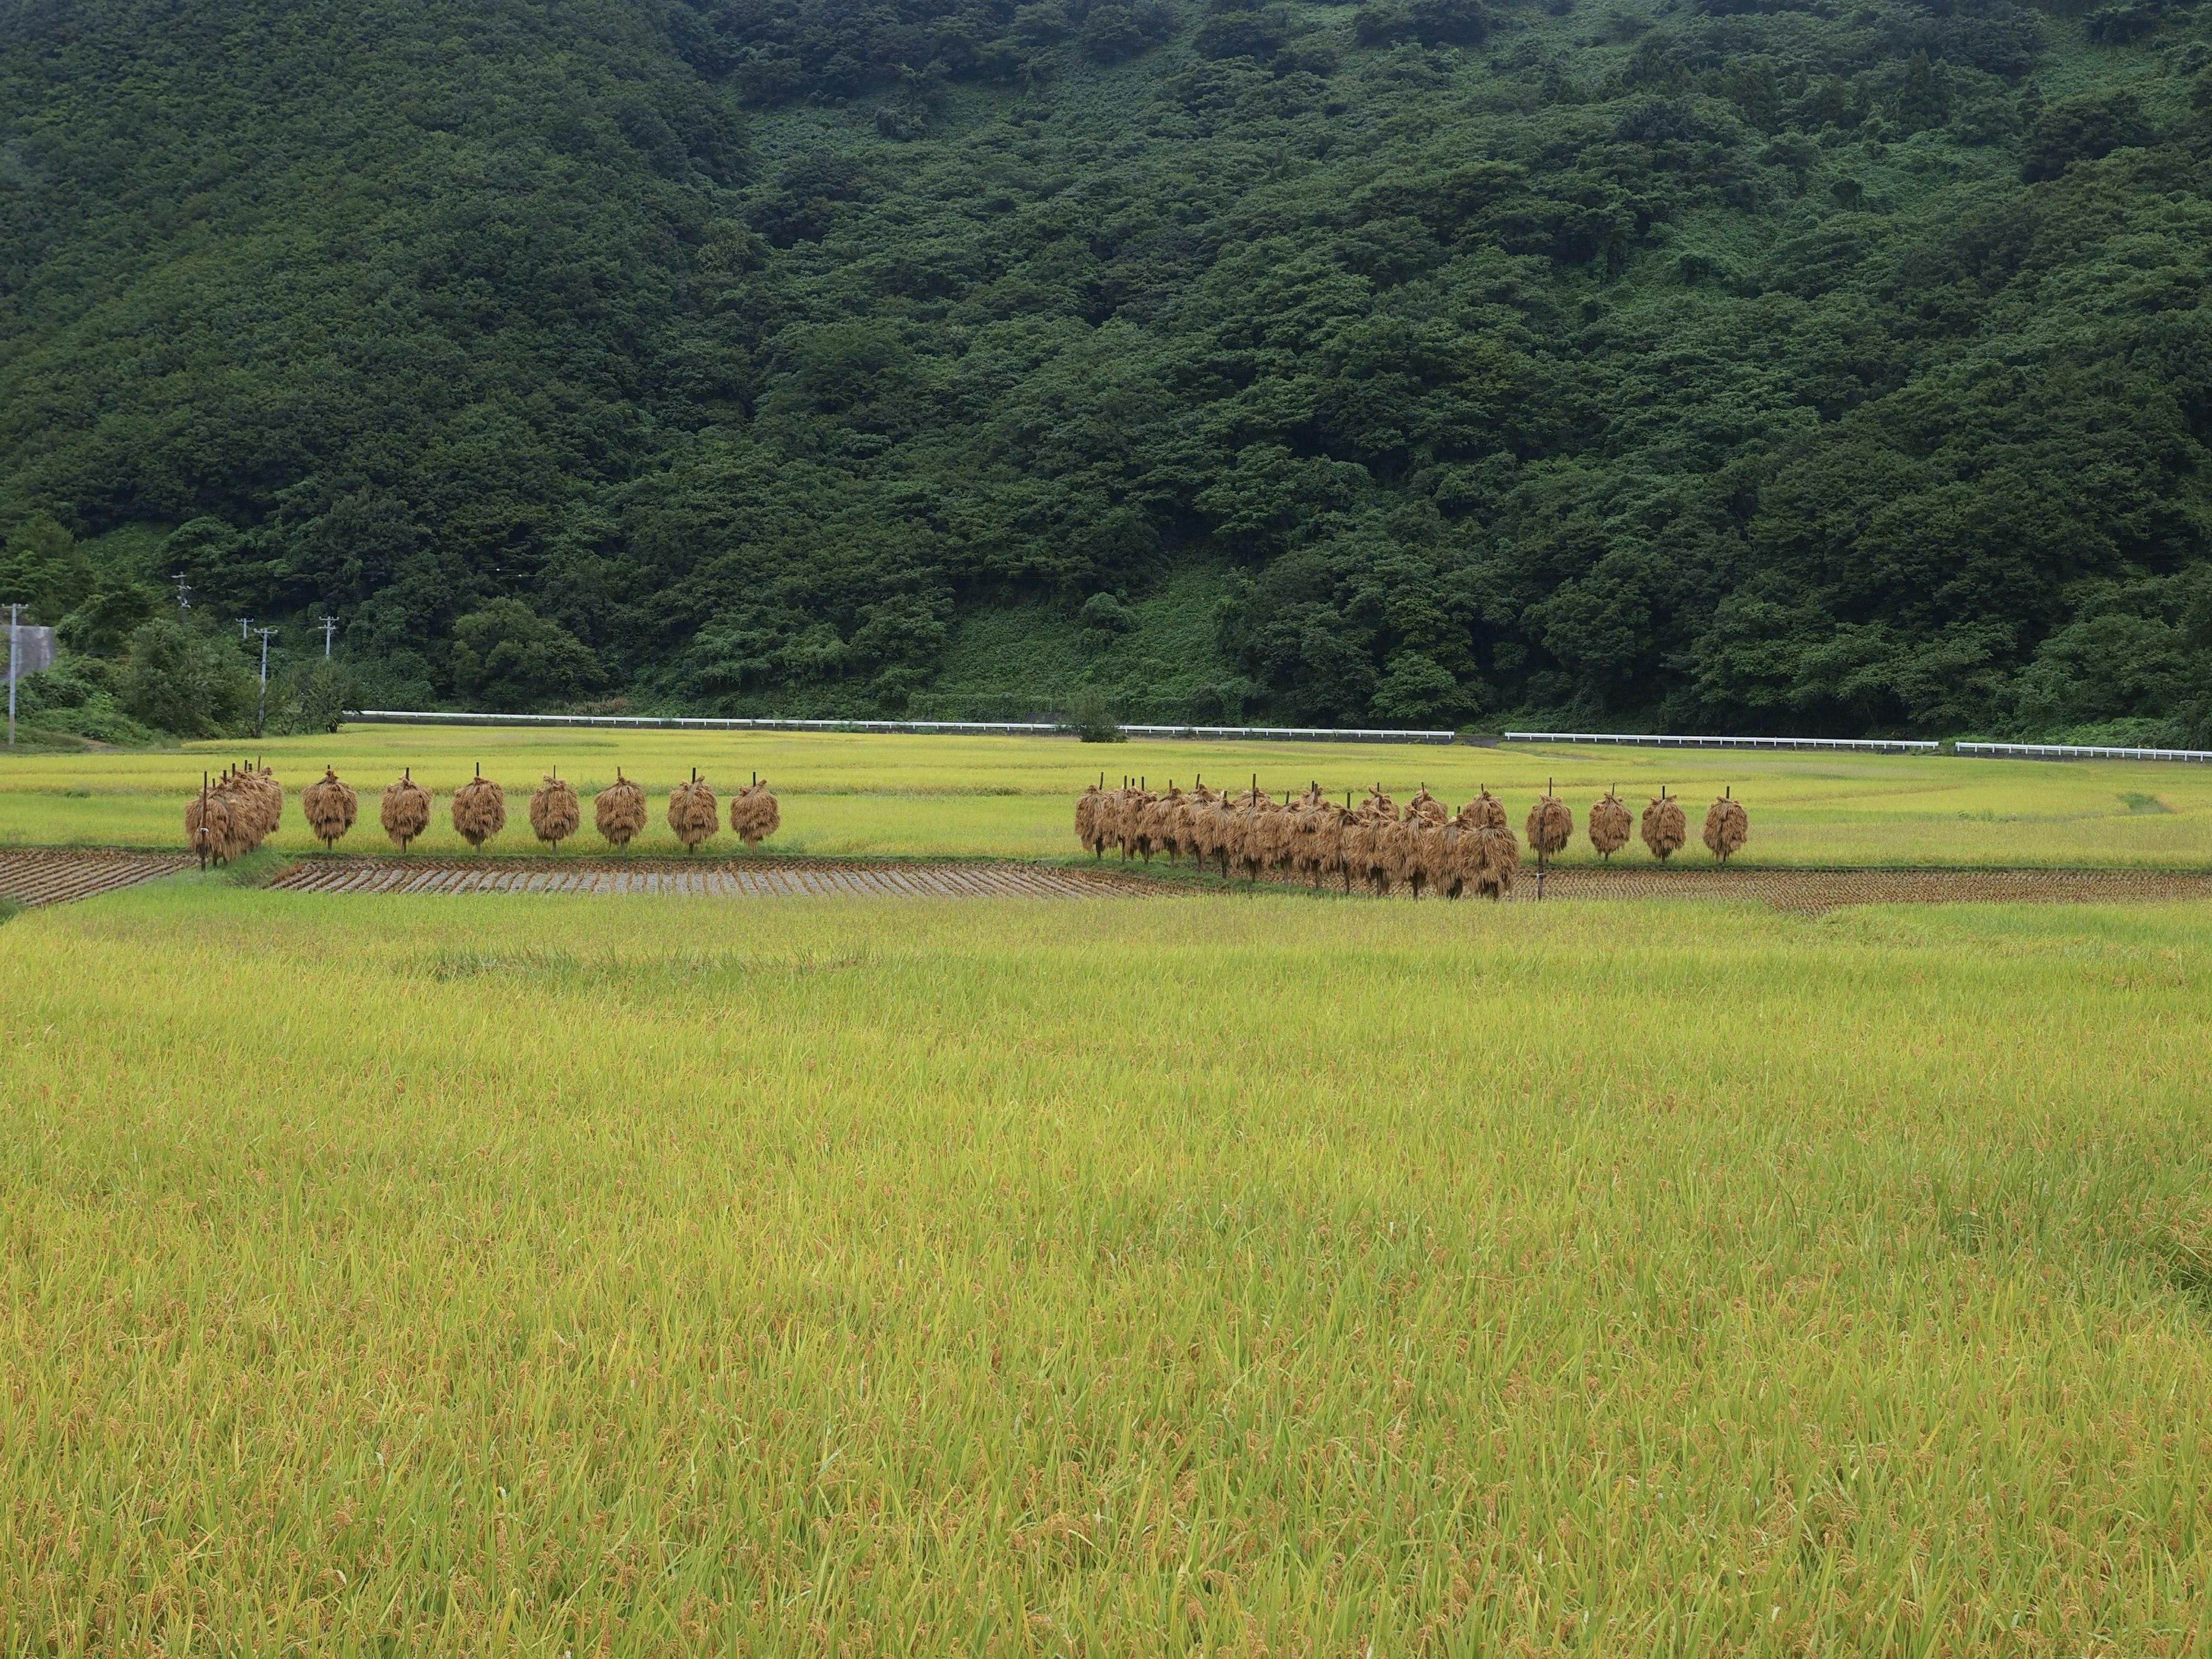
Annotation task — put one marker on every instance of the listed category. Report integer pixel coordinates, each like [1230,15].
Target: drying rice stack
[754,814]
[1665,829]
[1162,819]
[1400,849]
[330,807]
[1367,842]
[406,810]
[1489,856]
[231,815]
[1249,836]
[1727,826]
[1485,812]
[555,812]
[619,811]
[1425,808]
[1130,822]
[1609,825]
[1086,817]
[693,812]
[1215,830]
[1550,824]
[208,830]
[258,786]
[479,810]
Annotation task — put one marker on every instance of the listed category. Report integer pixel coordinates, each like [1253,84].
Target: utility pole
[184,593]
[12,631]
[330,627]
[261,714]
[243,622]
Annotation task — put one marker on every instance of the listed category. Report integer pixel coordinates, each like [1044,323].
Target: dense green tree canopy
[1756,364]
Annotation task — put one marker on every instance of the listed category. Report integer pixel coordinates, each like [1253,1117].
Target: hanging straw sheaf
[1551,824]
[754,814]
[1485,812]
[1665,829]
[693,812]
[406,810]
[554,812]
[330,807]
[1086,817]
[479,810]
[1609,825]
[1727,826]
[208,828]
[618,810]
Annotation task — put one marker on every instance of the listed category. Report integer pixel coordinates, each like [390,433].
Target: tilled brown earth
[52,875]
[763,876]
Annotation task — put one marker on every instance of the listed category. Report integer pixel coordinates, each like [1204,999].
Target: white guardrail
[1875,745]
[1030,728]
[2077,751]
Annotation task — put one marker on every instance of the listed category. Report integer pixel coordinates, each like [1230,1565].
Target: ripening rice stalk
[406,810]
[1609,825]
[754,814]
[330,807]
[619,811]
[555,812]
[1665,829]
[1727,826]
[479,810]
[1550,824]
[693,812]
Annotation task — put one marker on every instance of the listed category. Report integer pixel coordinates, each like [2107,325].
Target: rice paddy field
[840,1276]
[877,795]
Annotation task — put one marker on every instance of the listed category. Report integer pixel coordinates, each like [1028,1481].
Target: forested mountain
[1749,364]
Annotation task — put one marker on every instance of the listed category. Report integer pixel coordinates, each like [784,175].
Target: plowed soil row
[748,877]
[52,876]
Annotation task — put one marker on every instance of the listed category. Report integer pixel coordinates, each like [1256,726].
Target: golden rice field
[901,796]
[845,1276]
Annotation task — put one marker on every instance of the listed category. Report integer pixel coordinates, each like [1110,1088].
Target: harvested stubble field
[867,795]
[41,876]
[1021,1277]
[744,877]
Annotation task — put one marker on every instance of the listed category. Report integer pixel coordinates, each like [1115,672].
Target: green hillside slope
[1764,366]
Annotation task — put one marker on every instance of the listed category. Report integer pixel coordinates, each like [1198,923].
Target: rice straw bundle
[1249,852]
[406,810]
[554,812]
[754,814]
[1086,817]
[479,810]
[1425,808]
[1160,822]
[1727,826]
[1485,812]
[693,812]
[1132,821]
[1550,825]
[1489,860]
[330,807]
[618,810]
[207,824]
[1665,829]
[1609,825]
